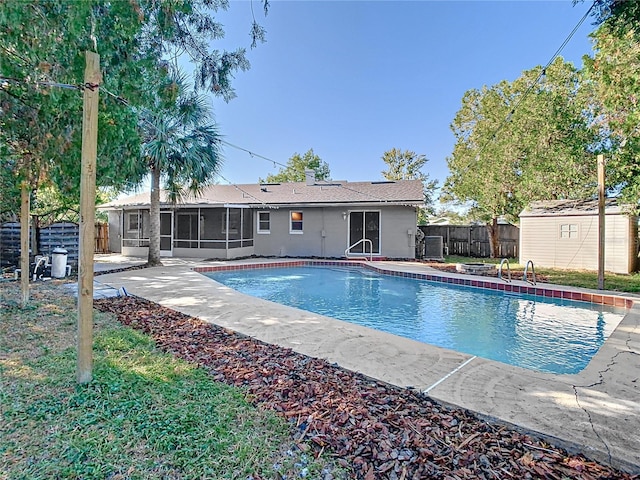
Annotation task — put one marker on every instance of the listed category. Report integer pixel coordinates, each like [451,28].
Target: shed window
[569,230]
[295,225]
[264,222]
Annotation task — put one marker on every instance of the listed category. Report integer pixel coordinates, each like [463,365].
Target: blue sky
[353,79]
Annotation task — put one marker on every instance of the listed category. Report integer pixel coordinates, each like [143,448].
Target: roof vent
[383,181]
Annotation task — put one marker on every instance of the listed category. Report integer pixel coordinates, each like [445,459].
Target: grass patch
[584,279]
[146,414]
[572,278]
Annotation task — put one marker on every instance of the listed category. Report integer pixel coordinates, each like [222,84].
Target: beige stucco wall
[540,242]
[325,232]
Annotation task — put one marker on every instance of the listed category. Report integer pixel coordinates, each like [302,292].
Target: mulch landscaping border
[375,430]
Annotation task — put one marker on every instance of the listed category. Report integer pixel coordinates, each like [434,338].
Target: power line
[81,86]
[126,103]
[532,86]
[497,130]
[378,199]
[244,192]
[253,154]
[118,98]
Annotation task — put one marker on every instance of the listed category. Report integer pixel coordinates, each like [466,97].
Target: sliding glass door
[364,225]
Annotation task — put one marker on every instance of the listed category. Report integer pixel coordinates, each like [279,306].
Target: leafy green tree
[478,175]
[180,140]
[624,13]
[408,165]
[554,139]
[41,45]
[296,166]
[614,75]
[41,48]
[187,28]
[10,197]
[521,141]
[454,216]
[181,148]
[41,42]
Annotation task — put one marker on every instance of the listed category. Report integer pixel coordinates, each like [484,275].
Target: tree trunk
[492,229]
[35,234]
[24,242]
[154,220]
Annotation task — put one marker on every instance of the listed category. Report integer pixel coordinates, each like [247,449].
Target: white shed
[564,234]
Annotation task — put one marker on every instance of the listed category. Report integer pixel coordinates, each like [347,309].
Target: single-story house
[301,219]
[564,234]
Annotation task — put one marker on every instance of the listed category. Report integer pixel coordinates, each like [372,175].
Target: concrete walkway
[595,412]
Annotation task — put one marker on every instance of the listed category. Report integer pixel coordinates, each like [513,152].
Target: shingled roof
[322,193]
[571,208]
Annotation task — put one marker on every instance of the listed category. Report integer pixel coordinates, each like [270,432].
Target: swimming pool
[543,334]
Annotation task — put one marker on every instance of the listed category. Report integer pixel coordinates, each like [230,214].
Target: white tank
[59,262]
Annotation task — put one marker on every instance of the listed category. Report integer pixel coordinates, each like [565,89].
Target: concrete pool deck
[595,412]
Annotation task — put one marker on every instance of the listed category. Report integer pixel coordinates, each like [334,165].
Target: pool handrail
[346,252]
[533,273]
[508,270]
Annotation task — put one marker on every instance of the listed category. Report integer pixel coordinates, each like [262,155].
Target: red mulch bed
[375,430]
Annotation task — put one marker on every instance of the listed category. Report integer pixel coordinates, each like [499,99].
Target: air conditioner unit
[433,248]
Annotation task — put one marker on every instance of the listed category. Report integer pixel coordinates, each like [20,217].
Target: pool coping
[513,286]
[594,412]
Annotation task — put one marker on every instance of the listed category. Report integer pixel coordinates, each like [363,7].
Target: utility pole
[92,79]
[601,231]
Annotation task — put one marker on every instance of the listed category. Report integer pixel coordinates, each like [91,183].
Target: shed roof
[401,192]
[559,208]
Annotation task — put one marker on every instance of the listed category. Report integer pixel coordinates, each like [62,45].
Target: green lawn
[574,278]
[146,415]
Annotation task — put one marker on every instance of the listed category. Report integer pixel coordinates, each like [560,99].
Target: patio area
[594,412]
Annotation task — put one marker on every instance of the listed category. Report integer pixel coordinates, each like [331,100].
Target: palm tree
[181,148]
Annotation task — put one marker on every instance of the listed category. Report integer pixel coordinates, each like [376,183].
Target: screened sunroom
[218,232]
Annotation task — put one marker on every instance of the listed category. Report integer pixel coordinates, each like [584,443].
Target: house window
[295,223]
[264,222]
[568,230]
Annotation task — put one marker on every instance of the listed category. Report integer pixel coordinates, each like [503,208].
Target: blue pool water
[543,334]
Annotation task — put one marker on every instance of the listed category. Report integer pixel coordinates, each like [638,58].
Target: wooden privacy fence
[61,234]
[102,238]
[473,240]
